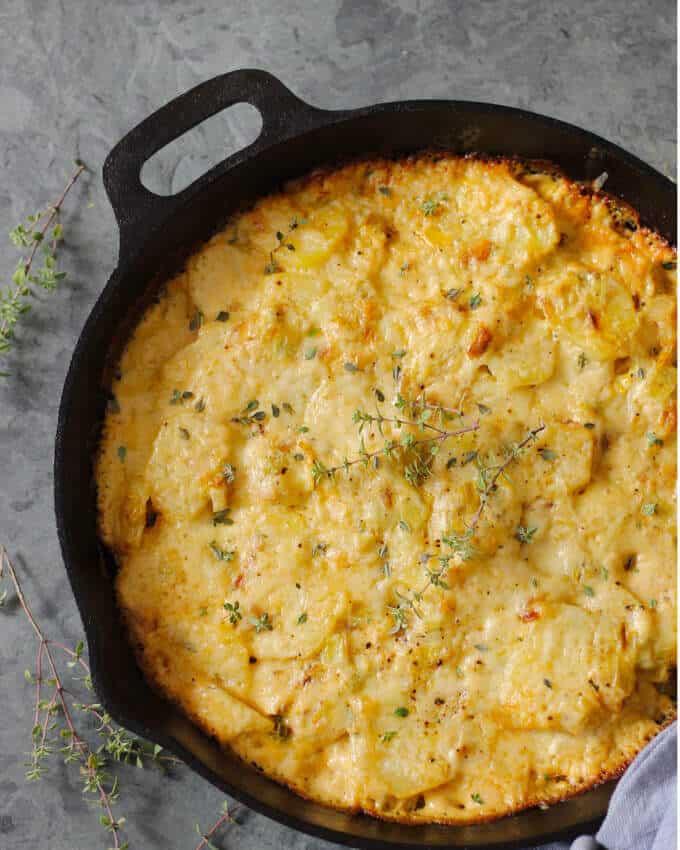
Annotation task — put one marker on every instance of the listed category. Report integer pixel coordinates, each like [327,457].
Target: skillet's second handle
[136,208]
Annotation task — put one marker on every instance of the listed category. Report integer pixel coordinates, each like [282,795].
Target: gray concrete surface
[74,76]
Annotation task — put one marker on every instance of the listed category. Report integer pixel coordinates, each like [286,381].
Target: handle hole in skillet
[180,163]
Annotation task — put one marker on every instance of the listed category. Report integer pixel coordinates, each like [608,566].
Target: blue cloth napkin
[642,812]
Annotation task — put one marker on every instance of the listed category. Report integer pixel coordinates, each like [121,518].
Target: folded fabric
[642,812]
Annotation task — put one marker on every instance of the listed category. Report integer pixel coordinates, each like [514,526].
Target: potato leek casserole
[388,471]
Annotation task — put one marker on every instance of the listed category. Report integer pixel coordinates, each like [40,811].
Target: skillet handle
[138,210]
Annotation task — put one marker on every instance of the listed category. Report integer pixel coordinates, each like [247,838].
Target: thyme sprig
[227,817]
[408,446]
[362,419]
[93,762]
[489,476]
[272,266]
[40,231]
[461,545]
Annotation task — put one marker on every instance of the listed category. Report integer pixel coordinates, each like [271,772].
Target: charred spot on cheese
[376,637]
[480,342]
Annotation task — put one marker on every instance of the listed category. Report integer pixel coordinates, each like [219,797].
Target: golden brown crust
[569,793]
[478,346]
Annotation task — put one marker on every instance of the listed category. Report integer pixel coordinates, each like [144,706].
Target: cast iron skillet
[156,235]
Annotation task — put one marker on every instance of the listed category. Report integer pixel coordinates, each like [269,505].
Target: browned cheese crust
[390,477]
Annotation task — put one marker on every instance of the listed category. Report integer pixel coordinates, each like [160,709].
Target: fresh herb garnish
[178,397]
[233,611]
[43,232]
[58,733]
[418,453]
[222,517]
[398,614]
[524,534]
[281,729]
[475,301]
[250,414]
[262,624]
[228,473]
[383,554]
[272,266]
[461,544]
[220,553]
[431,205]
[402,711]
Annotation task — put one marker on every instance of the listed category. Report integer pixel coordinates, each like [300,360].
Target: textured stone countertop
[75,76]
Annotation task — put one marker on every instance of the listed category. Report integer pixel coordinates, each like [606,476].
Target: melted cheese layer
[307,621]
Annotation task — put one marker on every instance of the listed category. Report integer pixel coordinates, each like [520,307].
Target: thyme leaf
[524,534]
[233,612]
[262,624]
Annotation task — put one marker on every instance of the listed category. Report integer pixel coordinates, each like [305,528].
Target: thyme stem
[395,420]
[13,304]
[321,471]
[227,817]
[86,755]
[461,545]
[500,469]
[54,212]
